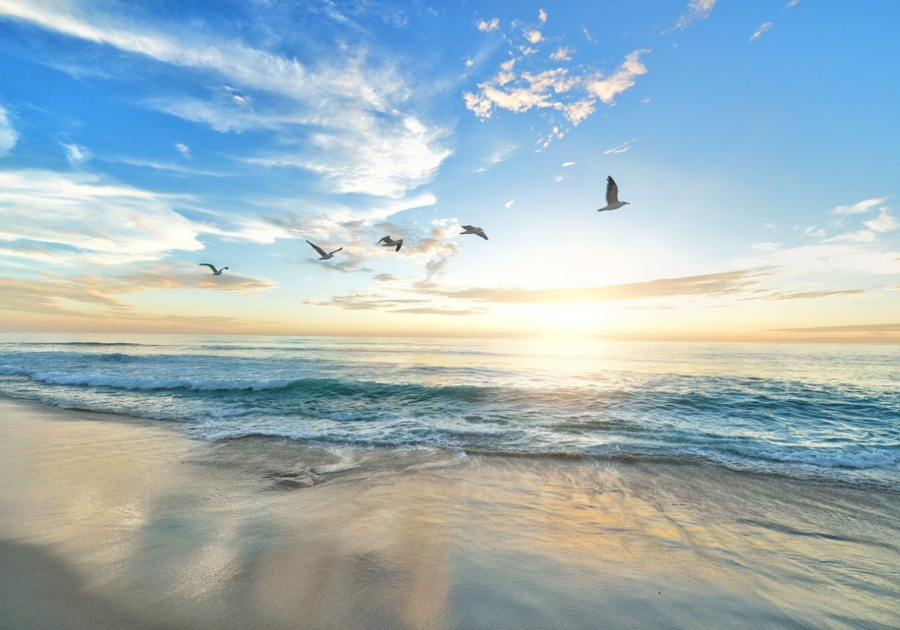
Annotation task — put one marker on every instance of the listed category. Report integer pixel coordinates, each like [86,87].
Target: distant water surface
[808,411]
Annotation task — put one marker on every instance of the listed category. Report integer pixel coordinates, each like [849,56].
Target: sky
[757,143]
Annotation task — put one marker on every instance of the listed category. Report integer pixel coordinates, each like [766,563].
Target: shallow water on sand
[117,523]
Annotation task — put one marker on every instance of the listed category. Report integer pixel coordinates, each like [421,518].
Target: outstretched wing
[318,249]
[612,191]
[467,227]
[384,239]
[335,251]
[208,265]
[399,244]
[481,233]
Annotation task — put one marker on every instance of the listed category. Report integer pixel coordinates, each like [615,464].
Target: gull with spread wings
[216,272]
[387,241]
[322,253]
[471,229]
[612,196]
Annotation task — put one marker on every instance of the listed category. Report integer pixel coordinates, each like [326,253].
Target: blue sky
[756,142]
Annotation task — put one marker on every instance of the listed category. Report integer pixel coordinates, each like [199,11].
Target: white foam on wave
[144,382]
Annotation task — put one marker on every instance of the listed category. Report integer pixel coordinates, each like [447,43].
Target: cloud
[179,275]
[342,105]
[542,16]
[765,26]
[78,215]
[8,136]
[567,164]
[533,36]
[398,305]
[792,3]
[75,154]
[766,246]
[553,89]
[620,148]
[563,53]
[696,10]
[606,89]
[184,150]
[808,295]
[488,26]
[859,207]
[383,277]
[388,168]
[509,204]
[852,328]
[884,223]
[708,285]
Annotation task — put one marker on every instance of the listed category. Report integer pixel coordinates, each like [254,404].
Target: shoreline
[126,521]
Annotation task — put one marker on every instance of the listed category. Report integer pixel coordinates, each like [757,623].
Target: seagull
[612,196]
[470,229]
[387,241]
[216,272]
[325,256]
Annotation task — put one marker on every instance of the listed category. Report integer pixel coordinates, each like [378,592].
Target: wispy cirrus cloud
[8,135]
[859,207]
[696,10]
[707,285]
[343,105]
[87,218]
[765,26]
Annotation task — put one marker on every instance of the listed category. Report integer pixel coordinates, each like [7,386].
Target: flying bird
[471,229]
[612,196]
[216,272]
[387,241]
[323,254]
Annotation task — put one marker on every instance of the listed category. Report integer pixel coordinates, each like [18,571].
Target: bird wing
[399,244]
[335,251]
[385,240]
[318,249]
[481,233]
[612,191]
[208,265]
[466,227]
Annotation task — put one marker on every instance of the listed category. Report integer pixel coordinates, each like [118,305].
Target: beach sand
[111,522]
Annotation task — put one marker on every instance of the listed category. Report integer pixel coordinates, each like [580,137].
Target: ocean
[818,412]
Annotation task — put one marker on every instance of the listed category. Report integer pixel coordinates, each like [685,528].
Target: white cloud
[184,150]
[792,3]
[487,27]
[8,136]
[533,36]
[858,208]
[696,10]
[509,204]
[542,16]
[75,216]
[645,100]
[559,178]
[563,53]
[565,164]
[606,89]
[765,26]
[554,88]
[75,154]
[884,223]
[347,102]
[621,148]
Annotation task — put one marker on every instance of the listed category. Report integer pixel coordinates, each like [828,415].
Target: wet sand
[109,522]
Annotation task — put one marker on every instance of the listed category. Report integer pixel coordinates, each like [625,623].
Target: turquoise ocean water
[829,412]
